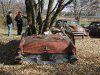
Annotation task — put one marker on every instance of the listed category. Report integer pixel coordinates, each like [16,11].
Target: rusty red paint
[36,44]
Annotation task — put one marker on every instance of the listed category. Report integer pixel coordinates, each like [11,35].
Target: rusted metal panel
[38,44]
[50,47]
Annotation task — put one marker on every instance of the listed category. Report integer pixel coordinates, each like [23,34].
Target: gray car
[74,26]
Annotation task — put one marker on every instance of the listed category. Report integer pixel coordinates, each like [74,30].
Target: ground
[88,54]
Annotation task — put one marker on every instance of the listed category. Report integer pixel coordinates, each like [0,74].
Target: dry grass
[88,53]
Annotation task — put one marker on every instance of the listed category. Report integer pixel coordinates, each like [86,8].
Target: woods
[35,10]
[40,16]
[10,5]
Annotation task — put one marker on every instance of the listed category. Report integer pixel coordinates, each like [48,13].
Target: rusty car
[46,49]
[73,25]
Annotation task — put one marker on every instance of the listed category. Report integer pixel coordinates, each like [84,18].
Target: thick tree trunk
[30,15]
[39,16]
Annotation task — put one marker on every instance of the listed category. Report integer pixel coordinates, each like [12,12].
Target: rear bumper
[47,58]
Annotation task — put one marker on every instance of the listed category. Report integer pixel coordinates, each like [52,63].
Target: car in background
[73,25]
[94,29]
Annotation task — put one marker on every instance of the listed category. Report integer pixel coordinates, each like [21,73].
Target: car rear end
[45,49]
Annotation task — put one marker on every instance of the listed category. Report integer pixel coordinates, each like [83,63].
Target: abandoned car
[73,25]
[46,48]
[94,29]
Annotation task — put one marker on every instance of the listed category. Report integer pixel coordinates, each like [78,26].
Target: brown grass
[88,53]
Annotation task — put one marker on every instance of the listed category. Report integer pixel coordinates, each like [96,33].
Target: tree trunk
[48,16]
[30,15]
[39,16]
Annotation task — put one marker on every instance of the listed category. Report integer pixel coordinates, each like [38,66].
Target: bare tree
[20,6]
[10,5]
[6,5]
[34,9]
[84,6]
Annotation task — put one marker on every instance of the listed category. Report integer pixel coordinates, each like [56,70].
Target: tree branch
[48,16]
[59,9]
[70,1]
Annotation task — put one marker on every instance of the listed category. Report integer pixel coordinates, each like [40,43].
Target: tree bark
[39,17]
[48,16]
[31,15]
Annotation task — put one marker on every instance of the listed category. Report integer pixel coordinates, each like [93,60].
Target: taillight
[18,56]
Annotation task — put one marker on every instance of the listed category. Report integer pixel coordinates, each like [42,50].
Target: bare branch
[70,1]
[88,5]
[59,9]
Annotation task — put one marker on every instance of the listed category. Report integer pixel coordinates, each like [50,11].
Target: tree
[6,6]
[20,6]
[86,7]
[10,5]
[34,10]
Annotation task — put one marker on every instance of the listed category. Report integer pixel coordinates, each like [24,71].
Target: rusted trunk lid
[38,44]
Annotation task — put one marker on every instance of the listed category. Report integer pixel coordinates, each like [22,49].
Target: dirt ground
[88,54]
